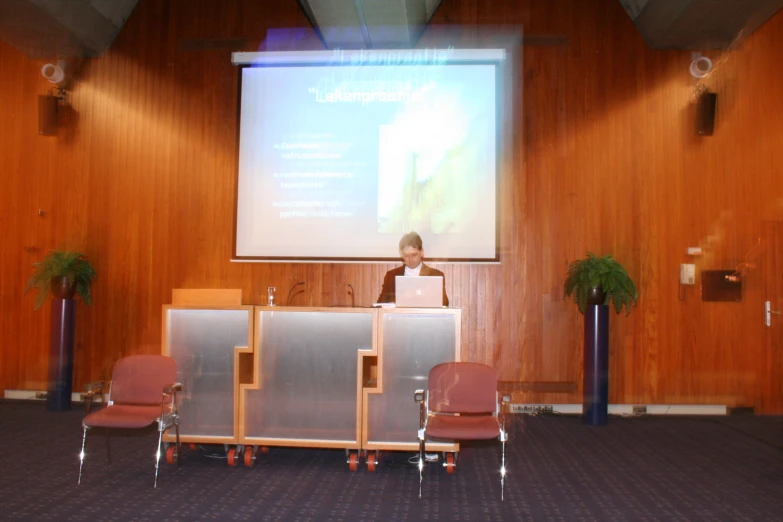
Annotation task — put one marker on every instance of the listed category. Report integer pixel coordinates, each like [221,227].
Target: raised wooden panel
[602,156]
[206,296]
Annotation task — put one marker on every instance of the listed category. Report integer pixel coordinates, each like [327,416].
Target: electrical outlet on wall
[531,409]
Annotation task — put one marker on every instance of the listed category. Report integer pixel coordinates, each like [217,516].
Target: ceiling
[50,29]
[698,24]
[369,24]
[55,29]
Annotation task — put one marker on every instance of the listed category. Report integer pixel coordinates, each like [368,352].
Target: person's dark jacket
[389,289]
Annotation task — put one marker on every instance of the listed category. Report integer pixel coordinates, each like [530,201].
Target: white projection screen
[343,152]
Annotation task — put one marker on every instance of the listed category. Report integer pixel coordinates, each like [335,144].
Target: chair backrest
[139,379]
[462,387]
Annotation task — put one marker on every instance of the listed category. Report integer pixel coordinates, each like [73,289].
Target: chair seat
[122,416]
[464,427]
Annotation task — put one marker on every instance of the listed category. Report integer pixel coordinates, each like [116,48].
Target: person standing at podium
[412,255]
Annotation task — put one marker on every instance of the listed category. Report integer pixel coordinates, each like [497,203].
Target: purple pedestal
[596,365]
[61,356]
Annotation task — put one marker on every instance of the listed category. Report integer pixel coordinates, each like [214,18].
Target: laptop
[419,292]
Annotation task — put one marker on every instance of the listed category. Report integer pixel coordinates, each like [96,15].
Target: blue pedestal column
[61,355]
[596,365]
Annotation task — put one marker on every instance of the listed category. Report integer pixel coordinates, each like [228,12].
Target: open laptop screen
[419,291]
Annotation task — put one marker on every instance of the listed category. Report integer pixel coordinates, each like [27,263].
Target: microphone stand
[288,299]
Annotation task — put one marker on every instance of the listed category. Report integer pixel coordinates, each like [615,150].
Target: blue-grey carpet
[636,469]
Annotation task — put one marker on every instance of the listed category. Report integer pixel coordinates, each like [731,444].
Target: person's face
[411,256]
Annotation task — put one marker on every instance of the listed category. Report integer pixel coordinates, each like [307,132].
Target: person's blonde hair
[411,239]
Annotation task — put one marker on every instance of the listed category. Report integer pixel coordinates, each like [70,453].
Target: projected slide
[338,158]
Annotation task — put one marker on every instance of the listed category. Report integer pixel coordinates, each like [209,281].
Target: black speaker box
[705,113]
[47,114]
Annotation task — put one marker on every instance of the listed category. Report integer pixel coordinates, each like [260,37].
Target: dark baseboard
[742,410]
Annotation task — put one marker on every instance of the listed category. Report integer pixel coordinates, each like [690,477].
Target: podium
[260,376]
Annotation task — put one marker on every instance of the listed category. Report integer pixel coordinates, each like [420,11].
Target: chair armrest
[420,396]
[91,389]
[170,395]
[168,405]
[94,387]
[172,388]
[505,398]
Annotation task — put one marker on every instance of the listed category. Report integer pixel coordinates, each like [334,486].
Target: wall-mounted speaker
[47,114]
[705,113]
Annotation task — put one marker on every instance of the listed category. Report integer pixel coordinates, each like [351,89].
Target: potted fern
[600,280]
[595,282]
[62,274]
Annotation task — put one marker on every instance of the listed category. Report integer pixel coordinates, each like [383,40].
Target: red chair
[462,403]
[143,390]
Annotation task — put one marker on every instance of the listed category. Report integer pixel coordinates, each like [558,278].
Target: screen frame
[344,58]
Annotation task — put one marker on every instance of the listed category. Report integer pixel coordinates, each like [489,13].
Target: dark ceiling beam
[50,29]
[698,24]
[369,24]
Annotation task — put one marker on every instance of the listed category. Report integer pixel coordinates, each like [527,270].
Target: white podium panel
[204,343]
[411,342]
[306,388]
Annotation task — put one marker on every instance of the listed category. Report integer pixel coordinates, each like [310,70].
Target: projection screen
[342,152]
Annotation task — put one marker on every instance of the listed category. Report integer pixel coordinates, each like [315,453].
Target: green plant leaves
[71,265]
[606,272]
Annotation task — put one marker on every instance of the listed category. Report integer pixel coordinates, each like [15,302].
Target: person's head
[411,250]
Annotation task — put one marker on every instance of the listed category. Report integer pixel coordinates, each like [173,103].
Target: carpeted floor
[644,468]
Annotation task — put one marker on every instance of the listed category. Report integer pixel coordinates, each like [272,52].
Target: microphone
[352,298]
[288,299]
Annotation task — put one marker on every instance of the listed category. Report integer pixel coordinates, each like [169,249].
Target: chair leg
[157,457]
[421,463]
[502,466]
[179,445]
[81,455]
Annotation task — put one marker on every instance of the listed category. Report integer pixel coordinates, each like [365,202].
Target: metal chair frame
[422,398]
[169,416]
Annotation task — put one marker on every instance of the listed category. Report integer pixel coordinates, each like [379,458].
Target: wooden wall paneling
[513,340]
[486,342]
[82,139]
[360,278]
[370,282]
[158,121]
[365,285]
[18,121]
[121,237]
[10,214]
[146,164]
[478,305]
[313,284]
[542,97]
[102,348]
[328,293]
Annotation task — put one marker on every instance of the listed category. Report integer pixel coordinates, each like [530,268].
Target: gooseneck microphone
[353,305]
[288,299]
